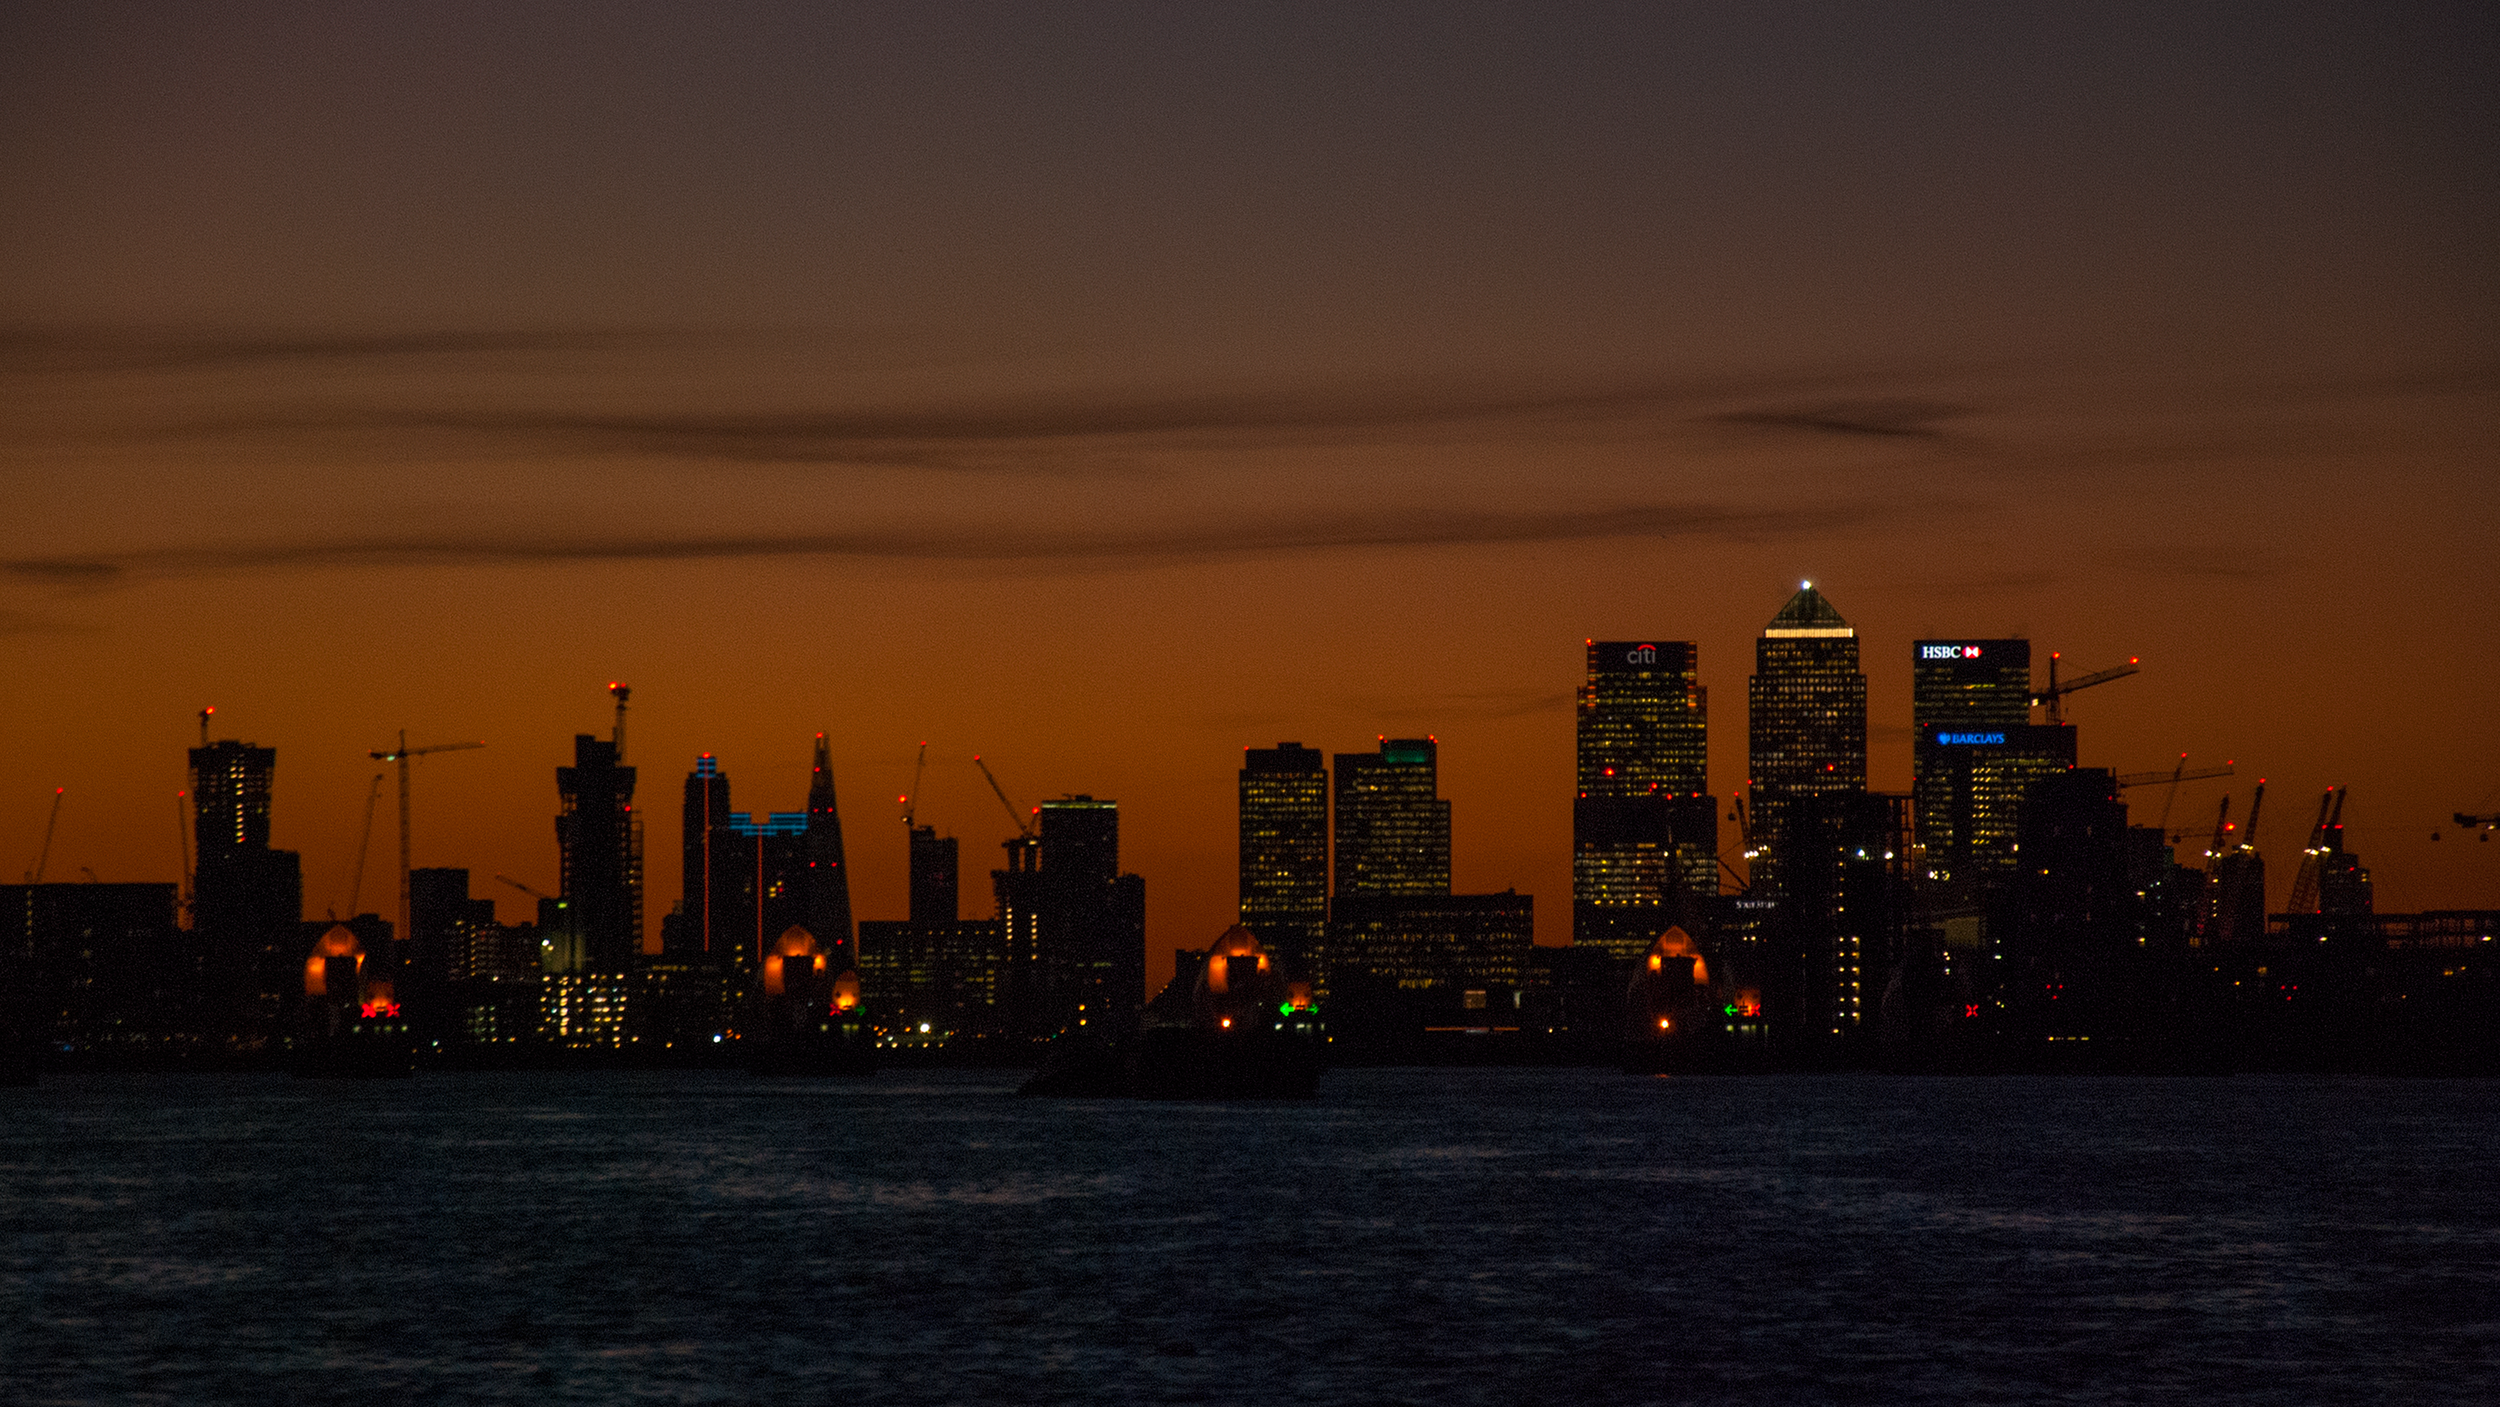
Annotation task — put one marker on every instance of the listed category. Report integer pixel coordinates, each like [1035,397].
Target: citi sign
[1948,652]
[1641,654]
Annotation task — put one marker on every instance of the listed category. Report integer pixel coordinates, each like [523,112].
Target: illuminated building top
[1805,721]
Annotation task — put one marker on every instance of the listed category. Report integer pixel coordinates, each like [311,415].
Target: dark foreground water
[1420,1236]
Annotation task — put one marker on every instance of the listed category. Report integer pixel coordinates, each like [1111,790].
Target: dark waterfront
[1411,1236]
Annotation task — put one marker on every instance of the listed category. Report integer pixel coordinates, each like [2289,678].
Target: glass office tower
[1643,824]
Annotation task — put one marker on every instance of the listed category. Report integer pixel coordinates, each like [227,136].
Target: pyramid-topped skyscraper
[1806,721]
[827,907]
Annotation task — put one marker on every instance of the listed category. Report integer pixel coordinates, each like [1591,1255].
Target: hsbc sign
[1948,652]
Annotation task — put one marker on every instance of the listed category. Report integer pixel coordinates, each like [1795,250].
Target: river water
[1415,1236]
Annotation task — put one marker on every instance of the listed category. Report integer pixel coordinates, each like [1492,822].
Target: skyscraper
[827,903]
[1846,911]
[445,925]
[935,968]
[600,851]
[1284,848]
[1094,917]
[770,853]
[936,877]
[1451,944]
[231,784]
[2068,956]
[747,878]
[246,897]
[1643,824]
[1971,683]
[1025,985]
[1806,724]
[707,907]
[1074,926]
[93,970]
[1971,783]
[1080,842]
[1392,827]
[1975,755]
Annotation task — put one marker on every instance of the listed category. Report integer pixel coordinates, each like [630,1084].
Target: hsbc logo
[1641,654]
[1948,652]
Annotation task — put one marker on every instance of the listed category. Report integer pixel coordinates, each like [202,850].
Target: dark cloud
[319,388]
[973,435]
[56,350]
[19,623]
[1884,419]
[1407,528]
[68,573]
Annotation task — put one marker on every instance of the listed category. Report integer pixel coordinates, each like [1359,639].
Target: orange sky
[1107,391]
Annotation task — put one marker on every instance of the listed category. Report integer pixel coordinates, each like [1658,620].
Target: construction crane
[2174,776]
[2256,806]
[364,846]
[535,894]
[621,693]
[911,802]
[2212,917]
[400,755]
[2312,855]
[1744,838]
[2222,827]
[1024,827]
[35,875]
[2053,698]
[2208,895]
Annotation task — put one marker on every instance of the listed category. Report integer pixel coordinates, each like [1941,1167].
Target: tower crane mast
[2305,886]
[2222,828]
[400,755]
[911,803]
[35,875]
[364,846]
